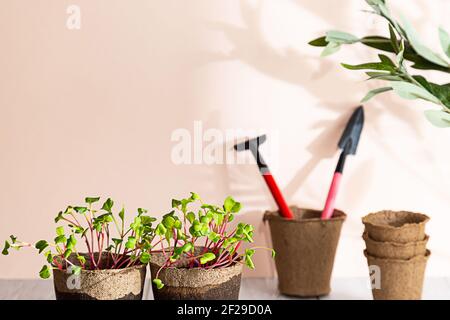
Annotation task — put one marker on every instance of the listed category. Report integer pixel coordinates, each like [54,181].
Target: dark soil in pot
[305,249]
[182,283]
[108,284]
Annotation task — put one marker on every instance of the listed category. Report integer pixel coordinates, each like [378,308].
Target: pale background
[91,112]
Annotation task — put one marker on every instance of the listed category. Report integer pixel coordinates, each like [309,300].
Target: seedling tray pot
[182,283]
[109,284]
[399,279]
[305,249]
[394,250]
[396,226]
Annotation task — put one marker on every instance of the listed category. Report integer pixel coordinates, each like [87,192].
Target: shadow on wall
[309,73]
[312,74]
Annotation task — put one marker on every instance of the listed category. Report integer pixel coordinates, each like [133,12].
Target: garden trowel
[253,146]
[348,144]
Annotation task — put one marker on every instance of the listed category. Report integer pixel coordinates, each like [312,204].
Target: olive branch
[409,53]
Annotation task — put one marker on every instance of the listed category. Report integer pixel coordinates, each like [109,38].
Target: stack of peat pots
[396,254]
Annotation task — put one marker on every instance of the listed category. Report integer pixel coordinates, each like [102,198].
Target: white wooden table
[251,289]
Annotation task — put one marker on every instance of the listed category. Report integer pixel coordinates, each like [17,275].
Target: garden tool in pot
[348,144]
[253,146]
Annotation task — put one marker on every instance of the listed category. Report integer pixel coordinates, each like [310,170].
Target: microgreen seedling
[208,228]
[108,242]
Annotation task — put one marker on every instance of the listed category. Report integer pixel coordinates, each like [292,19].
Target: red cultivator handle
[253,146]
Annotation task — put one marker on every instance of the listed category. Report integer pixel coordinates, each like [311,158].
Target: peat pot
[182,283]
[107,284]
[305,249]
[398,279]
[396,226]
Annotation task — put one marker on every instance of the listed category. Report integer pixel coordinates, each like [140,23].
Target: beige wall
[91,112]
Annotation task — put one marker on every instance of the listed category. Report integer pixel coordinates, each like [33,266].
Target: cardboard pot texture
[394,250]
[182,283]
[396,226]
[400,279]
[305,249]
[108,284]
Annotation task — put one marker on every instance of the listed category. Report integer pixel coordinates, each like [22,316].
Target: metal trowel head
[350,137]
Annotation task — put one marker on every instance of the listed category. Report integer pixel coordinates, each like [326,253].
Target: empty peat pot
[396,226]
[106,284]
[305,249]
[395,250]
[397,279]
[182,283]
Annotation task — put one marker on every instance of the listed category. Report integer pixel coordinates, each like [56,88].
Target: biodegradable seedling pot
[396,226]
[182,283]
[305,247]
[399,279]
[394,250]
[106,284]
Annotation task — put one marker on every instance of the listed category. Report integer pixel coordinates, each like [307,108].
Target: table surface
[251,289]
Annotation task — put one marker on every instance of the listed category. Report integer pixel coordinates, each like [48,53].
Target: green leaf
[445,41]
[422,50]
[122,214]
[387,61]
[190,217]
[274,253]
[207,257]
[80,210]
[60,239]
[131,243]
[249,262]
[369,66]
[383,76]
[81,259]
[5,251]
[60,231]
[168,222]
[158,283]
[340,37]
[194,196]
[187,247]
[175,203]
[45,272]
[160,230]
[228,204]
[71,242]
[236,207]
[117,241]
[59,217]
[107,205]
[438,118]
[319,42]
[394,40]
[91,200]
[374,92]
[76,270]
[332,47]
[145,257]
[41,245]
[49,256]
[408,90]
[67,253]
[214,237]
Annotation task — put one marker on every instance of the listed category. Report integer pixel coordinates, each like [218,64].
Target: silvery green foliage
[410,52]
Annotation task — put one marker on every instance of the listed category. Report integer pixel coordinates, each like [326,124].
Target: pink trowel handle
[331,198]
